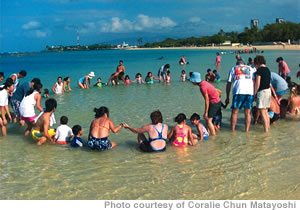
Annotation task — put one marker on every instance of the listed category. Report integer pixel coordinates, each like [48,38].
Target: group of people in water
[249,83]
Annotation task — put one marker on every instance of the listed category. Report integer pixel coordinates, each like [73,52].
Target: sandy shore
[260,47]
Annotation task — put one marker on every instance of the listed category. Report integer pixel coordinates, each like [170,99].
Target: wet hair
[218,53]
[284,103]
[66,78]
[36,80]
[214,71]
[59,77]
[76,129]
[127,77]
[101,111]
[9,82]
[183,71]
[46,91]
[50,104]
[168,72]
[156,117]
[167,66]
[279,59]
[121,61]
[208,70]
[190,74]
[180,118]
[23,73]
[148,74]
[37,87]
[195,116]
[99,78]
[138,74]
[259,60]
[64,120]
[1,74]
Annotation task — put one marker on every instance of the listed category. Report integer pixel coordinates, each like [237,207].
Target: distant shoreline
[233,48]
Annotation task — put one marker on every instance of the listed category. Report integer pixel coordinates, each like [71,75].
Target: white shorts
[263,100]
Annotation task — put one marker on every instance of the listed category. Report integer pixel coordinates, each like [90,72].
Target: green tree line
[270,33]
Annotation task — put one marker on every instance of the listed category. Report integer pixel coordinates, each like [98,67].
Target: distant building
[254,22]
[280,20]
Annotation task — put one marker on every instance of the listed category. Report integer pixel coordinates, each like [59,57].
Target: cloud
[142,22]
[196,20]
[31,25]
[40,34]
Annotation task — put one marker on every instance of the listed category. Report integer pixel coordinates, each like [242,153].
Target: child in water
[99,84]
[63,132]
[77,141]
[183,76]
[203,134]
[182,132]
[138,79]
[217,76]
[168,77]
[150,78]
[46,93]
[127,80]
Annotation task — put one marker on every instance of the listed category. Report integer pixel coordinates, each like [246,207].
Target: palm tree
[140,41]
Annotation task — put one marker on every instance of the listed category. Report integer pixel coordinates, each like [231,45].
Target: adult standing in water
[242,78]
[66,84]
[58,87]
[99,130]
[119,74]
[212,100]
[85,81]
[157,132]
[262,90]
[283,69]
[16,77]
[162,72]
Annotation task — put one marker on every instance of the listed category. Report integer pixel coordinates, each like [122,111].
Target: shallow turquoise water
[231,166]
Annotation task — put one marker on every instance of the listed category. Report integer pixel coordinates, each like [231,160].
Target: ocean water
[229,166]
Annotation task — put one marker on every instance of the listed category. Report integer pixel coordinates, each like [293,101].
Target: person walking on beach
[40,130]
[58,87]
[15,77]
[262,90]
[119,74]
[157,132]
[212,100]
[5,91]
[85,82]
[242,78]
[99,130]
[283,69]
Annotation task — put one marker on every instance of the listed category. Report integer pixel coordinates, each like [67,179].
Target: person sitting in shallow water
[294,101]
[157,132]
[99,130]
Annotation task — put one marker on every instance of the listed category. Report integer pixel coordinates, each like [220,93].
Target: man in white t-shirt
[241,77]
[63,132]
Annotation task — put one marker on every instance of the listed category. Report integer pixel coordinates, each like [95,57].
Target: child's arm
[200,130]
[90,129]
[190,135]
[136,130]
[155,78]
[3,115]
[133,81]
[46,128]
[38,102]
[170,135]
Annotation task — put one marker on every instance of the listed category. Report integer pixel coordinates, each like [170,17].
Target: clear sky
[30,25]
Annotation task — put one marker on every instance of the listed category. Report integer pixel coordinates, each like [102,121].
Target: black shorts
[146,147]
[214,109]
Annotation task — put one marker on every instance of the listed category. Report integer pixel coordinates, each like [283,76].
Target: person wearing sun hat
[212,100]
[83,81]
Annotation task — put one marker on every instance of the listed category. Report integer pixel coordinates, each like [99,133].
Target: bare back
[153,134]
[39,125]
[100,127]
[294,106]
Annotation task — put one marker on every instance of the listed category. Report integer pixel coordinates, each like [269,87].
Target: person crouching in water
[157,132]
[40,130]
[99,130]
[182,132]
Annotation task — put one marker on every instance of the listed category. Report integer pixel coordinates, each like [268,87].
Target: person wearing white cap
[83,81]
[242,77]
[212,100]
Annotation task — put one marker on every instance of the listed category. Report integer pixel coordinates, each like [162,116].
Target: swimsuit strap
[159,134]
